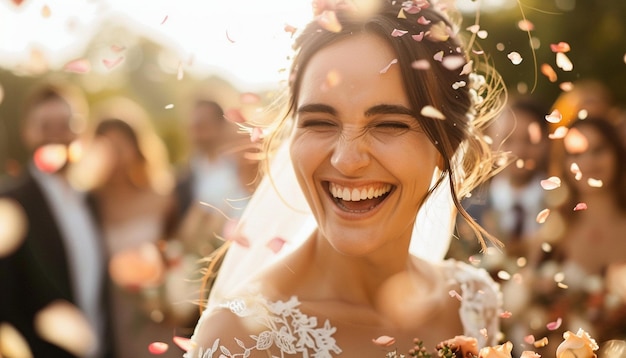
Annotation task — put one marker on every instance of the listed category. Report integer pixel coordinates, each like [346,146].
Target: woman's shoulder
[253,325]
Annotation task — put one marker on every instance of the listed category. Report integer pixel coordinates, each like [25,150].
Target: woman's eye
[317,124]
[395,128]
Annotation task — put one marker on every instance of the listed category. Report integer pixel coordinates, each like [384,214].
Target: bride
[384,121]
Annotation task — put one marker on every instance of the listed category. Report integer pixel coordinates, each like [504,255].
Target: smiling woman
[384,108]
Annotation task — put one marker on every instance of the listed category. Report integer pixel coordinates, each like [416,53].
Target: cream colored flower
[501,351]
[579,345]
[467,345]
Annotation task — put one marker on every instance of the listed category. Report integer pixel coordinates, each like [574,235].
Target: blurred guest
[508,205]
[136,210]
[214,187]
[587,256]
[55,277]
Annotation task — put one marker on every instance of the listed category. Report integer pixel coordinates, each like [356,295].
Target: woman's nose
[350,155]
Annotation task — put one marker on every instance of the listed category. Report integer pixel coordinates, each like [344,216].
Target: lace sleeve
[282,327]
[481,302]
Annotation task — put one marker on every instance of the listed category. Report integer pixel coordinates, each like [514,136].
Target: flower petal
[515,57]
[553,326]
[384,341]
[551,183]
[543,215]
[554,117]
[580,206]
[158,348]
[432,112]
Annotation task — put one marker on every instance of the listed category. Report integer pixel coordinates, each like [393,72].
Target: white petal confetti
[551,183]
[453,62]
[386,68]
[594,183]
[554,117]
[421,65]
[515,58]
[563,62]
[432,112]
[543,215]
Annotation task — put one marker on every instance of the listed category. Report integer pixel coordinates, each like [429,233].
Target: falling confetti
[12,226]
[541,343]
[50,158]
[384,341]
[328,21]
[566,86]
[169,106]
[423,21]
[554,117]
[386,68]
[525,25]
[515,57]
[553,326]
[290,29]
[432,112]
[549,72]
[575,169]
[543,215]
[561,47]
[418,37]
[12,343]
[398,33]
[503,275]
[468,68]
[551,183]
[421,65]
[559,132]
[474,28]
[276,244]
[455,294]
[63,324]
[229,38]
[594,183]
[158,348]
[46,12]
[580,206]
[438,56]
[109,64]
[506,314]
[530,339]
[453,62]
[439,32]
[563,62]
[78,66]
[164,19]
[530,354]
[482,34]
[183,343]
[118,48]
[459,84]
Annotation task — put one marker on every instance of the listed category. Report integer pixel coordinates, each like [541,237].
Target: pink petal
[183,343]
[525,25]
[554,117]
[249,98]
[455,294]
[551,183]
[386,68]
[560,47]
[276,244]
[290,29]
[553,326]
[543,215]
[530,339]
[438,56]
[515,58]
[256,135]
[421,65]
[164,19]
[418,37]
[506,314]
[580,206]
[575,169]
[118,48]
[158,348]
[384,341]
[328,21]
[423,21]
[109,64]
[230,39]
[78,66]
[234,115]
[398,33]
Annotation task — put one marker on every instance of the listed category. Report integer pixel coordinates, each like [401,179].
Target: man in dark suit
[57,272]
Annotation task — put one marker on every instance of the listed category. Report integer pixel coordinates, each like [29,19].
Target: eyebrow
[372,111]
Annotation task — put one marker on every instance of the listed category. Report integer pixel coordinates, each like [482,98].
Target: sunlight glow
[243,41]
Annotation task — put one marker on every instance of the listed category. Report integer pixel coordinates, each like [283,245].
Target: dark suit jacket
[37,273]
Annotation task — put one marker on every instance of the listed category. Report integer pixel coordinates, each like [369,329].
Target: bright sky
[243,40]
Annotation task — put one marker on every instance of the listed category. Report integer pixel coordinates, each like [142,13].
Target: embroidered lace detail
[288,329]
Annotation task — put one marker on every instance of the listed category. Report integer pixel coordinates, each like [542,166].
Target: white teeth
[357,194]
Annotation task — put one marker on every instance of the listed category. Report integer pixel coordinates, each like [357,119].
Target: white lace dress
[294,333]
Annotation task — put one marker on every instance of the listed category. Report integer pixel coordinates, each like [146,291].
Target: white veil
[270,218]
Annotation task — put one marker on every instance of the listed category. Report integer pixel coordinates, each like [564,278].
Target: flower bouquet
[574,345]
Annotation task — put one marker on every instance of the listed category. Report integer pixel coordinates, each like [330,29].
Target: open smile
[359,199]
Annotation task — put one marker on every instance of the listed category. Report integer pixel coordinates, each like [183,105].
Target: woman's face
[588,149]
[362,160]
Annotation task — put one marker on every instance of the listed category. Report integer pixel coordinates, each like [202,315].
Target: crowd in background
[102,257]
[109,231]
[560,209]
